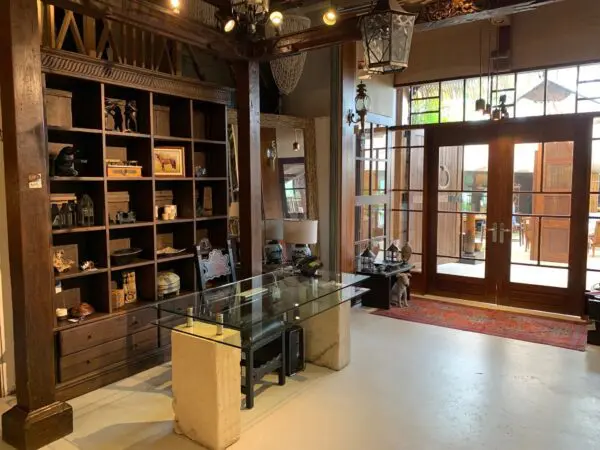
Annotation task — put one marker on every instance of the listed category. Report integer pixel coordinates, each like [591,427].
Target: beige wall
[7,350]
[380,89]
[560,33]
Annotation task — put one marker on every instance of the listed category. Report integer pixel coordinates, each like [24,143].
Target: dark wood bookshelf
[200,128]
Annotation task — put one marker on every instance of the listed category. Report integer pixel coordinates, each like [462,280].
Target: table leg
[206,390]
[327,338]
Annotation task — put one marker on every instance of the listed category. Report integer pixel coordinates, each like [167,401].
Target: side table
[380,286]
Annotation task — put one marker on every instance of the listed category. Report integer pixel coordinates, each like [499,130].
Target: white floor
[409,386]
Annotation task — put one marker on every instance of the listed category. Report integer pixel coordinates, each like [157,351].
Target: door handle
[503,230]
[494,231]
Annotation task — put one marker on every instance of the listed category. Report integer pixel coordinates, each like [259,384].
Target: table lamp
[301,233]
[273,236]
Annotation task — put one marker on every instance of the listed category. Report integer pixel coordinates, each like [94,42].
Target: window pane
[475,167]
[458,267]
[558,166]
[550,204]
[378,178]
[362,225]
[525,157]
[407,227]
[377,220]
[416,138]
[416,168]
[554,245]
[589,90]
[540,276]
[425,90]
[593,259]
[589,72]
[363,170]
[501,82]
[474,91]
[427,105]
[592,279]
[401,169]
[462,202]
[596,128]
[530,93]
[453,99]
[561,87]
[584,106]
[426,118]
[522,248]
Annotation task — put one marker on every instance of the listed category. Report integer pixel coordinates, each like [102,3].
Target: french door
[507,212]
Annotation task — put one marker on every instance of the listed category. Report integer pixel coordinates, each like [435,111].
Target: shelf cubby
[140,196]
[92,290]
[142,100]
[214,230]
[122,238]
[88,146]
[145,282]
[179,235]
[86,101]
[171,115]
[90,247]
[219,195]
[184,268]
[213,158]
[182,194]
[126,149]
[95,189]
[209,121]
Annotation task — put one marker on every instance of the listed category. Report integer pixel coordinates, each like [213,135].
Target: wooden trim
[81,66]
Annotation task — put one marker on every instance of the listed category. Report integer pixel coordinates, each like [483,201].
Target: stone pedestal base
[327,338]
[206,389]
[35,429]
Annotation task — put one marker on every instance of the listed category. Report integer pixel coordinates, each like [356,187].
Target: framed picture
[169,161]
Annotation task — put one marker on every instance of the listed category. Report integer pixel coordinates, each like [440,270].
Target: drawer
[100,356]
[86,336]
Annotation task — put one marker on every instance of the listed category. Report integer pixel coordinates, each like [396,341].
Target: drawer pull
[135,322]
[88,362]
[89,336]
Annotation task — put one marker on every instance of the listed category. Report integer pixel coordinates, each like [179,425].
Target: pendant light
[480,103]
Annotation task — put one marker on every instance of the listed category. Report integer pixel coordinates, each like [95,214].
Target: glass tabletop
[233,337]
[244,303]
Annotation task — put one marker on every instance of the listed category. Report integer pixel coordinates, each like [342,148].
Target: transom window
[562,90]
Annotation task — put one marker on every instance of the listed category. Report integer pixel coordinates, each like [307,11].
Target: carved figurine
[111,108]
[131,116]
[64,164]
[406,252]
[82,310]
[85,211]
[125,217]
[86,266]
[60,263]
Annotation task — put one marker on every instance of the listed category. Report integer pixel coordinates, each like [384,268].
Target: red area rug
[541,330]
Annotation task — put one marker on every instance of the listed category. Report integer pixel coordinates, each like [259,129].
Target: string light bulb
[175,5]
[276,18]
[330,17]
[229,25]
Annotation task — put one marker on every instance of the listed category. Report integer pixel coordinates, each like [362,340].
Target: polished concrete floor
[409,386]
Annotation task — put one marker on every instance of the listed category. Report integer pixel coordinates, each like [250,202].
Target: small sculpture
[64,164]
[60,263]
[406,252]
[131,116]
[129,286]
[399,292]
[86,266]
[125,217]
[82,310]
[113,109]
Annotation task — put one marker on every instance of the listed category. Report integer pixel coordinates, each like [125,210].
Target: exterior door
[510,212]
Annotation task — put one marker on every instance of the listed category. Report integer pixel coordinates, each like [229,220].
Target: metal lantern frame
[386,37]
[367,258]
[392,253]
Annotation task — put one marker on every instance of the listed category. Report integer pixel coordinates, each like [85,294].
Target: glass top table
[236,313]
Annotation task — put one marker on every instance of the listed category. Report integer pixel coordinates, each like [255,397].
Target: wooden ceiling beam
[347,29]
[156,19]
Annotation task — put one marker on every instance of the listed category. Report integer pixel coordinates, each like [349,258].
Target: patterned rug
[541,330]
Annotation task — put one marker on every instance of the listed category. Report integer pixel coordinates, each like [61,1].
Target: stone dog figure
[400,291]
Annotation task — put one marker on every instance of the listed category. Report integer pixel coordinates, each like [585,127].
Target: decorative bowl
[124,256]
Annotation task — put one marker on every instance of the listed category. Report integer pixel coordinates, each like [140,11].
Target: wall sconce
[175,6]
[296,144]
[362,103]
[271,154]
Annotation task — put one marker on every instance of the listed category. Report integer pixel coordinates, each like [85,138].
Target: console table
[210,330]
[380,285]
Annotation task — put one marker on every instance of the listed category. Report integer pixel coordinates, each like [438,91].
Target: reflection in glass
[472,94]
[550,204]
[462,235]
[362,227]
[525,157]
[377,220]
[558,167]
[554,245]
[407,227]
[475,167]
[362,177]
[561,88]
[416,168]
[294,185]
[595,175]
[530,93]
[378,178]
[462,202]
[539,276]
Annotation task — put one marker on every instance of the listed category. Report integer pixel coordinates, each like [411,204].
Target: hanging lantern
[386,36]
[367,259]
[362,103]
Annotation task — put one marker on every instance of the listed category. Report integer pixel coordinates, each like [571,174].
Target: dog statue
[400,291]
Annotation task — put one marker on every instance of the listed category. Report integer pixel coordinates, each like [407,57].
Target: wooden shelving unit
[197,126]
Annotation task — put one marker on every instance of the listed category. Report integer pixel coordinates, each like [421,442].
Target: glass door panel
[541,209]
[462,210]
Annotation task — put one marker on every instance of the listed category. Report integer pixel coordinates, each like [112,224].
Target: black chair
[219,265]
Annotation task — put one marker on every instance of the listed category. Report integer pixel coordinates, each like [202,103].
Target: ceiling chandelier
[249,18]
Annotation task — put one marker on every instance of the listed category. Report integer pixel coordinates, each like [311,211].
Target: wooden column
[37,419]
[248,102]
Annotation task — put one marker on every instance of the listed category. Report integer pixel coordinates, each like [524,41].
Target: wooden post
[248,102]
[37,419]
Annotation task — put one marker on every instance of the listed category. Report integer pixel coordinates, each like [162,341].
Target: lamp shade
[274,229]
[300,231]
[234,209]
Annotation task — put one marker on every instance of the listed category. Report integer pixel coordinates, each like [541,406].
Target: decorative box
[58,108]
[113,170]
[162,125]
